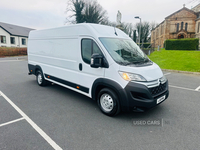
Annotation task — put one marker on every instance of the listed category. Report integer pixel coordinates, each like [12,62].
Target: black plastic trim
[76,86]
[107,83]
[33,68]
[133,96]
[140,96]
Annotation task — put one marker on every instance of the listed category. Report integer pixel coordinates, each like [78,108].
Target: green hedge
[12,51]
[182,44]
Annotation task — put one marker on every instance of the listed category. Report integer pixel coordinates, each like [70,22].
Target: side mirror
[96,60]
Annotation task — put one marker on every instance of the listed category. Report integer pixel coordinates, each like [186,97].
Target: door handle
[80,66]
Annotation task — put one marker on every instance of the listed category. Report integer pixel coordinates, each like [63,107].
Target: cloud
[51,13]
[34,14]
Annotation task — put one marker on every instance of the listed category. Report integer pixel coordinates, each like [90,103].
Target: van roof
[83,29]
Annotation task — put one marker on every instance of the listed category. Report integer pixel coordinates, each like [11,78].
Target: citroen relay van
[99,61]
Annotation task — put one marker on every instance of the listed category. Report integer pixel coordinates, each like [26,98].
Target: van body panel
[57,53]
[88,75]
[113,74]
[51,56]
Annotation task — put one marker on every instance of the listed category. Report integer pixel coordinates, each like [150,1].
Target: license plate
[160,99]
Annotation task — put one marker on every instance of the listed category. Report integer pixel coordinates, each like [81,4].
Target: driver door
[88,75]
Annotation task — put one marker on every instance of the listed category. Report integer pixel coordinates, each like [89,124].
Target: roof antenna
[115,32]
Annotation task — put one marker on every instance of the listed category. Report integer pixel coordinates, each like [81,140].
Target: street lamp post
[137,17]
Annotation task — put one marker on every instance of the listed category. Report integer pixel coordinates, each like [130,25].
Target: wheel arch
[34,69]
[107,83]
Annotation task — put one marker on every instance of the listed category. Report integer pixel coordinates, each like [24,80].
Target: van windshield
[124,51]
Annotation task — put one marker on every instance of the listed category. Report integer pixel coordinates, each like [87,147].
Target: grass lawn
[177,60]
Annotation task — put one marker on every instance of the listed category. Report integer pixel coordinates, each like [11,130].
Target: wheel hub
[106,102]
[39,78]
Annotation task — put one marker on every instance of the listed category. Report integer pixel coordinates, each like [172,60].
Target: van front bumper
[141,98]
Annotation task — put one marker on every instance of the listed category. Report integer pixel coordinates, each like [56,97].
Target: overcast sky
[40,14]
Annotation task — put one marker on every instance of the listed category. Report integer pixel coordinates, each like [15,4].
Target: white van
[99,61]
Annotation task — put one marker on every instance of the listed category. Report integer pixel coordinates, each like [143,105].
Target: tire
[108,102]
[40,78]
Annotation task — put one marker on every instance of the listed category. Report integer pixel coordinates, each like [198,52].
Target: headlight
[163,79]
[131,76]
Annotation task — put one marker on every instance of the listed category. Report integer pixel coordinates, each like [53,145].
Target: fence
[150,49]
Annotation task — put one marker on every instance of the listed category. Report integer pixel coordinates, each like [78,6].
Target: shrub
[182,44]
[12,51]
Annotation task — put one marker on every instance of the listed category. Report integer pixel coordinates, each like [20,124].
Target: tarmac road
[53,117]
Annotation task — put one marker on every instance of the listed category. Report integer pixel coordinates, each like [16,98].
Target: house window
[157,33]
[12,40]
[3,39]
[177,27]
[186,25]
[198,27]
[23,41]
[181,25]
[162,30]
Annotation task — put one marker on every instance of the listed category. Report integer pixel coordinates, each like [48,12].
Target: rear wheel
[40,78]
[108,102]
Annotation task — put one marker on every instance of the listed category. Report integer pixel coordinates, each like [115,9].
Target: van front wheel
[40,78]
[108,102]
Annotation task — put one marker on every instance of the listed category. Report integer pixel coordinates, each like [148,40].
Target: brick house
[183,23]
[13,36]
[197,29]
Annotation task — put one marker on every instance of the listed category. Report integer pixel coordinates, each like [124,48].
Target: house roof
[184,8]
[15,30]
[158,25]
[195,7]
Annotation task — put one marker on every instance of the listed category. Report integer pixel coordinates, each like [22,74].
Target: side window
[96,49]
[88,47]
[86,50]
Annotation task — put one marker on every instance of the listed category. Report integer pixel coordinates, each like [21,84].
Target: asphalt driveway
[53,117]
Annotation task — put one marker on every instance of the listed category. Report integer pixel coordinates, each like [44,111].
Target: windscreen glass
[124,51]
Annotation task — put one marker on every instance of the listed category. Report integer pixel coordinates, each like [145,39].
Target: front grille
[158,89]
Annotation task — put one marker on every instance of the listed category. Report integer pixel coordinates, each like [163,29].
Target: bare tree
[89,11]
[153,24]
[145,31]
[75,7]
[94,12]
[128,29]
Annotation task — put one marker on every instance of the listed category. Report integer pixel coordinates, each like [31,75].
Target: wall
[197,30]
[185,16]
[158,35]
[168,28]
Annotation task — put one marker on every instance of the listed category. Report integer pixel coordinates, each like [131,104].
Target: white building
[13,36]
